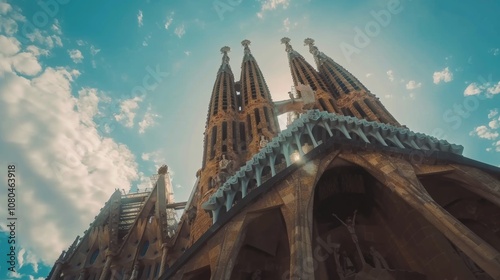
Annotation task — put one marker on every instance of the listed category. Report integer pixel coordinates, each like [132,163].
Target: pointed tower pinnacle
[313,50]
[257,117]
[221,144]
[286,41]
[225,59]
[352,97]
[245,43]
[304,73]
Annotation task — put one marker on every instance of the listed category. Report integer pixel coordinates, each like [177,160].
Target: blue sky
[94,96]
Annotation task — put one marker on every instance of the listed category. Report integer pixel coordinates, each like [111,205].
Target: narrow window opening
[212,146]
[235,141]
[257,116]
[224,131]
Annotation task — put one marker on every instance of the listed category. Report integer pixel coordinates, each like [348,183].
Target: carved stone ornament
[224,163]
[163,170]
[263,141]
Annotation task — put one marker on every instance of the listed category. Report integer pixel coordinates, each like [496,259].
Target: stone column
[105,270]
[296,197]
[163,264]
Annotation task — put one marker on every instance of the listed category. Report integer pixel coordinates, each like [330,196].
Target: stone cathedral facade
[344,192]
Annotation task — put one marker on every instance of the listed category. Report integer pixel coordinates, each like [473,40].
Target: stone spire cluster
[344,185]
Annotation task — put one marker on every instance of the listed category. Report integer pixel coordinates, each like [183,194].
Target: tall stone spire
[221,142]
[304,73]
[353,98]
[257,118]
[222,112]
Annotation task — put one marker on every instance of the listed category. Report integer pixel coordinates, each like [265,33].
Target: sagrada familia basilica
[344,192]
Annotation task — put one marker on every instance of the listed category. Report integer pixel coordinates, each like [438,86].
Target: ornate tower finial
[163,170]
[312,48]
[286,41]
[245,43]
[308,41]
[224,50]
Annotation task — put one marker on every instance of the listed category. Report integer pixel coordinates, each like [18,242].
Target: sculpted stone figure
[263,141]
[225,170]
[224,163]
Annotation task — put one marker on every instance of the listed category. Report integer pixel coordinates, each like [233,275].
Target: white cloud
[495,51]
[139,18]
[484,132]
[65,162]
[157,158]
[286,24]
[497,146]
[413,85]
[472,89]
[494,124]
[144,182]
[16,275]
[80,42]
[412,96]
[36,51]
[75,55]
[269,5]
[128,109]
[487,87]
[5,8]
[492,113]
[26,63]
[188,53]
[9,45]
[20,258]
[41,37]
[444,75]
[180,30]
[56,27]
[495,89]
[26,257]
[148,120]
[368,75]
[390,75]
[8,19]
[94,50]
[169,20]
[87,105]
